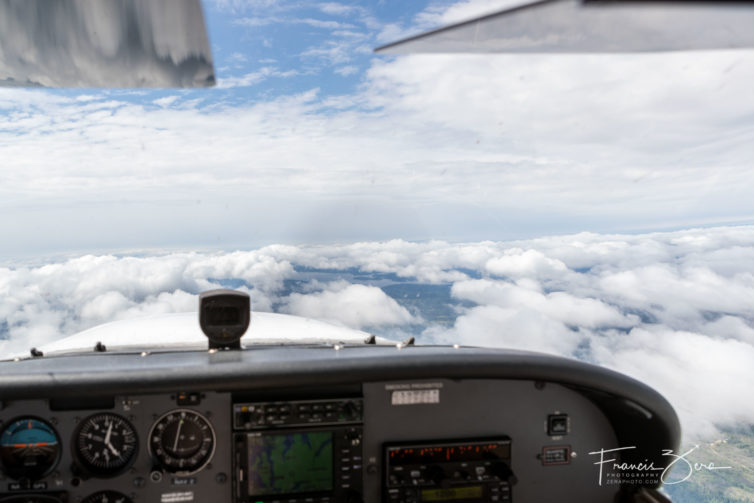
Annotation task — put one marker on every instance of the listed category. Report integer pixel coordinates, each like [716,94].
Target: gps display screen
[290,463]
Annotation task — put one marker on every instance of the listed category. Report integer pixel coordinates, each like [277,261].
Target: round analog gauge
[182,441]
[107,497]
[105,444]
[29,448]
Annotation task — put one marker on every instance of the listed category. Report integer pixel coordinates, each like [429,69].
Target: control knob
[436,474]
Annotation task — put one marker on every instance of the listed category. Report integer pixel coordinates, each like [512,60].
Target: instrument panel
[119,449]
[317,425]
[426,441]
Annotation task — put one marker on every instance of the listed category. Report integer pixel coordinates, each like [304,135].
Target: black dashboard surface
[318,424]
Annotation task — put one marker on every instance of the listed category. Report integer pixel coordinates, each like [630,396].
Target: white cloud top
[356,306]
[675,310]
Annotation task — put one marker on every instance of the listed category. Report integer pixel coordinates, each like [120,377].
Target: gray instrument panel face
[489,409]
[448,410]
[141,412]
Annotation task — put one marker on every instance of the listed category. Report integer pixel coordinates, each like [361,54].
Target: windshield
[592,206]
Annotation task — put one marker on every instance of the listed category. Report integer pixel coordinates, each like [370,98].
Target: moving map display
[290,463]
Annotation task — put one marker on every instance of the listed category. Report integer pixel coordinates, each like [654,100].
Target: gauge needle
[113,449]
[177,435]
[107,440]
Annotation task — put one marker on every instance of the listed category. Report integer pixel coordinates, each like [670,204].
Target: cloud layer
[675,310]
[454,147]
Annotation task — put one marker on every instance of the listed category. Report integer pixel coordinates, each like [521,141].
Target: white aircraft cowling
[182,331]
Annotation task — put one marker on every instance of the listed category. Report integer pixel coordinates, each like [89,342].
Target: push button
[557,425]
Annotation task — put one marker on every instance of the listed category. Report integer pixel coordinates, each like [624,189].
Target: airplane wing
[579,26]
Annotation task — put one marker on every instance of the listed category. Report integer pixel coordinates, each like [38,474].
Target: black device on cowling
[224,316]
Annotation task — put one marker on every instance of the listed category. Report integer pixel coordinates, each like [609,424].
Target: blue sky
[309,43]
[329,46]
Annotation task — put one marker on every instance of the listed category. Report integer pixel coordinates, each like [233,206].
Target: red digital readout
[455,452]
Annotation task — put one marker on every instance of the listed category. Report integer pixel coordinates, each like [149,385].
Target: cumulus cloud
[704,377]
[525,263]
[356,306]
[564,307]
[42,303]
[675,310]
